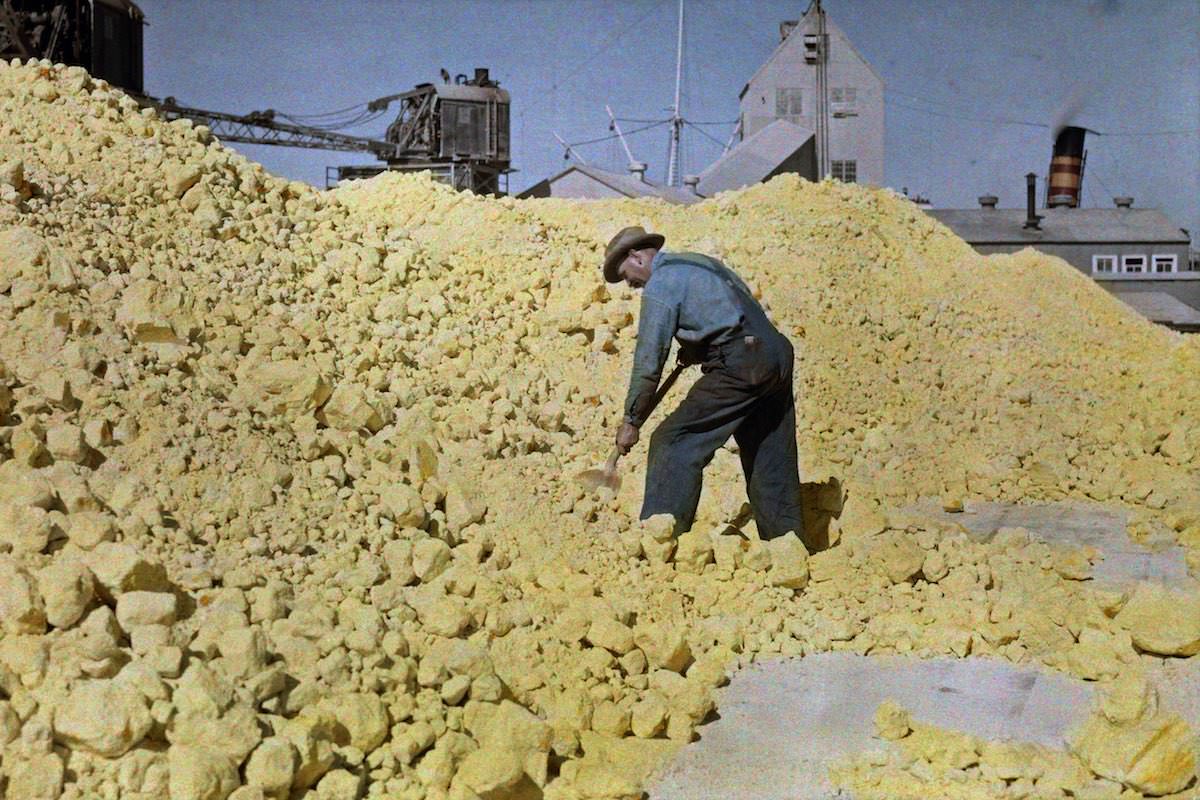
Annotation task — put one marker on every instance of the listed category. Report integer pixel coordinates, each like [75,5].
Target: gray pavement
[784,722]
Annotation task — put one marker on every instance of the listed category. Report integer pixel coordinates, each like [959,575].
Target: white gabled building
[786,87]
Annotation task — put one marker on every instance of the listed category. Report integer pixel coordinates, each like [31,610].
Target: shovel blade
[594,479]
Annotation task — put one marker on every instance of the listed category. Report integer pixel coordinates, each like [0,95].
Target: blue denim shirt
[690,304]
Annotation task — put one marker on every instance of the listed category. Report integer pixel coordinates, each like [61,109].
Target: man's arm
[656,326]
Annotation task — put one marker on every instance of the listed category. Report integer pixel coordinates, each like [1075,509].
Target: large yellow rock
[1163,620]
[693,551]
[103,717]
[789,562]
[1155,755]
[21,607]
[362,718]
[348,409]
[153,313]
[610,766]
[665,646]
[22,255]
[282,387]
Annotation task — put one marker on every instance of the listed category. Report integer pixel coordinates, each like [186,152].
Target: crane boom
[261,127]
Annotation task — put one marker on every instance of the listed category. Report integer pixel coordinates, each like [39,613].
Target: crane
[458,129]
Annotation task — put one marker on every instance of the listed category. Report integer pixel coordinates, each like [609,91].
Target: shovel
[608,477]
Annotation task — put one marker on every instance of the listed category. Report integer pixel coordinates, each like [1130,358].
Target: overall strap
[739,296]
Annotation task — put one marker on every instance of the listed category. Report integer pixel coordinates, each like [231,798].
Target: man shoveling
[746,388]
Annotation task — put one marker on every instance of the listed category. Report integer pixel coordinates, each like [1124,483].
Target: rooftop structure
[779,147]
[587,182]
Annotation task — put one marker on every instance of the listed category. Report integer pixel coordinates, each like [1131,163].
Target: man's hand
[627,437]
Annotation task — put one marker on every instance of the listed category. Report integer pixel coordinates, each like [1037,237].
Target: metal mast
[823,164]
[676,120]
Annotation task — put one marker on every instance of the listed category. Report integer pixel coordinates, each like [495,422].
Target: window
[1164,263]
[845,171]
[1104,265]
[1133,263]
[787,103]
[842,101]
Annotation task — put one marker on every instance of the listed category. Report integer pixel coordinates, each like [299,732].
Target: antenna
[613,121]
[570,153]
[736,130]
[676,120]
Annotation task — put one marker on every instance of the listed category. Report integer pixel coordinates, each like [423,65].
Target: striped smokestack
[1066,168]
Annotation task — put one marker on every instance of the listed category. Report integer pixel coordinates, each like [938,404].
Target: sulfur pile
[286,507]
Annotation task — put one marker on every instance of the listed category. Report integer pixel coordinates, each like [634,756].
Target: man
[746,388]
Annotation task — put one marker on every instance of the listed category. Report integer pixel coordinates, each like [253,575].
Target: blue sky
[970,83]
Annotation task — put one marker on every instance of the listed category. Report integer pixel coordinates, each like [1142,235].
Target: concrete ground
[783,722]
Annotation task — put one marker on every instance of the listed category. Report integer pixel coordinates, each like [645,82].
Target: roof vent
[692,182]
[1123,202]
[988,201]
[638,170]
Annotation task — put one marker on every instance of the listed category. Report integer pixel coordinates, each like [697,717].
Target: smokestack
[638,170]
[692,182]
[988,201]
[1031,216]
[1066,168]
[1123,202]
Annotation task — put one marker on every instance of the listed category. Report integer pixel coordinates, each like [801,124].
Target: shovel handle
[610,466]
[665,387]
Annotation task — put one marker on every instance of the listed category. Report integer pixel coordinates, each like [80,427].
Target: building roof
[627,185]
[1160,307]
[830,29]
[1061,225]
[756,159]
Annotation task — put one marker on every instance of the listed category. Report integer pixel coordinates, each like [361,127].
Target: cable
[1180,132]
[333,124]
[1091,172]
[704,133]
[331,113]
[990,120]
[720,122]
[621,31]
[1184,132]
[614,136]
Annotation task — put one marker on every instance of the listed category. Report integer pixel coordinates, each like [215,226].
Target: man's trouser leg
[767,446]
[684,443]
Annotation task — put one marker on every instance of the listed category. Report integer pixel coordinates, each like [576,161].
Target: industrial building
[814,108]
[1124,249]
[1137,254]
[818,81]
